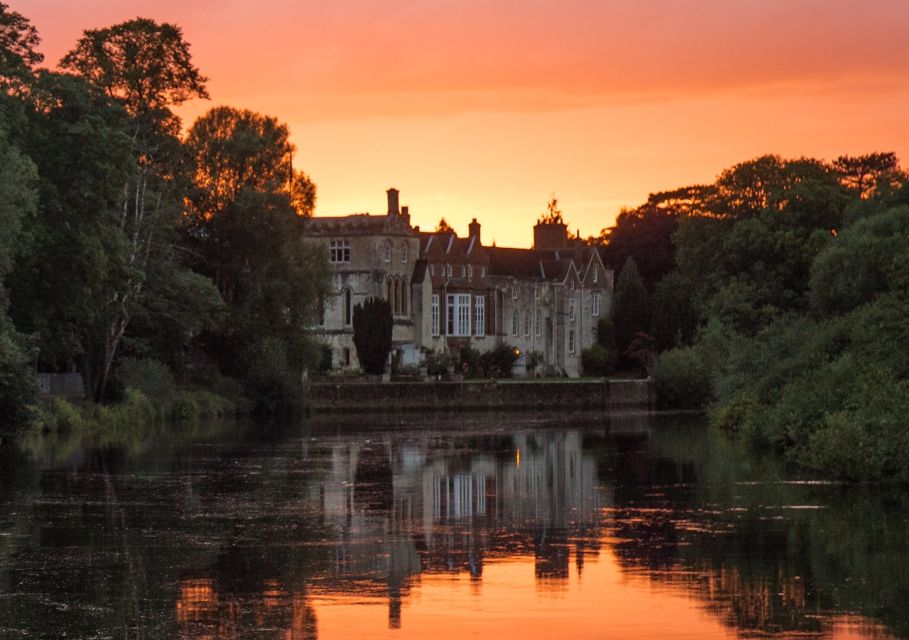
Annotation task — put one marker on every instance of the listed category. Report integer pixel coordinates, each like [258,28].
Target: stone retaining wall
[466,396]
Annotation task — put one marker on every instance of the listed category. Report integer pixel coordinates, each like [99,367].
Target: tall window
[448,270]
[404,251]
[479,306]
[339,251]
[571,309]
[347,298]
[470,271]
[463,271]
[397,305]
[596,273]
[539,324]
[514,322]
[435,314]
[526,324]
[595,304]
[403,296]
[458,314]
[571,341]
[391,294]
[482,272]
[388,251]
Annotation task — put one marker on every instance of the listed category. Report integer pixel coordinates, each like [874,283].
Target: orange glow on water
[484,109]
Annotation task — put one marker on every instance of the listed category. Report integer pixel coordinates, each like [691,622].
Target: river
[487,526]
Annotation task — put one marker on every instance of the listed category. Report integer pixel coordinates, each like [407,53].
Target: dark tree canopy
[18,47]
[144,65]
[236,150]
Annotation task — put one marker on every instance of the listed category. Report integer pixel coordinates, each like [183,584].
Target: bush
[681,380]
[372,326]
[437,363]
[469,362]
[498,362]
[598,361]
[151,377]
[272,384]
[18,388]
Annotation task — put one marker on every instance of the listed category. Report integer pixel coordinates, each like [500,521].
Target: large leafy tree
[146,68]
[247,234]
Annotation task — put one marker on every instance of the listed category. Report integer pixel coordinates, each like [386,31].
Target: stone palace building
[448,292]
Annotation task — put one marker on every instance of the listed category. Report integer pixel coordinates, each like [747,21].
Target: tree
[443,226]
[145,67]
[372,325]
[632,313]
[18,200]
[868,175]
[237,149]
[247,234]
[674,321]
[552,215]
[18,49]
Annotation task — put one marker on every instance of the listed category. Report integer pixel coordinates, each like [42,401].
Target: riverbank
[361,397]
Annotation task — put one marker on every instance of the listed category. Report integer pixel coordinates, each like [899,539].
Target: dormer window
[448,270]
[596,273]
[470,271]
[463,271]
[482,272]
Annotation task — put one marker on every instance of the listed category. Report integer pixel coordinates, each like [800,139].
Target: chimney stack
[473,230]
[393,202]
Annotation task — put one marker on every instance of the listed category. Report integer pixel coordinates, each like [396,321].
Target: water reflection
[528,529]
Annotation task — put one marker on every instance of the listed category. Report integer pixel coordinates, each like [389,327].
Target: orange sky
[485,108]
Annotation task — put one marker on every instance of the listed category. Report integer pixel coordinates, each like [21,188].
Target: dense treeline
[779,299]
[121,240]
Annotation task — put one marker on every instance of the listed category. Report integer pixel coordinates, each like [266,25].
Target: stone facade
[449,292]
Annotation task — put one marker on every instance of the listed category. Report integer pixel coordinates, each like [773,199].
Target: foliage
[146,68]
[681,379]
[19,41]
[598,360]
[372,328]
[632,306]
[271,382]
[150,377]
[553,214]
[674,321]
[534,360]
[498,362]
[469,362]
[606,333]
[437,364]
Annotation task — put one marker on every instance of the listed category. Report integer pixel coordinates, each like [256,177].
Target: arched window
[514,322]
[539,327]
[347,298]
[391,293]
[527,324]
[397,304]
[404,252]
[388,251]
[403,296]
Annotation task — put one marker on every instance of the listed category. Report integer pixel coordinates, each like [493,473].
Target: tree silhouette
[372,325]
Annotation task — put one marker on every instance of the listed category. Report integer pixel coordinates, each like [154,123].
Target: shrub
[437,363]
[151,377]
[681,380]
[598,361]
[469,360]
[498,362]
[372,326]
[272,384]
[18,388]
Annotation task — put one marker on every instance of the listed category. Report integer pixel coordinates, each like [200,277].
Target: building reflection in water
[409,507]
[431,505]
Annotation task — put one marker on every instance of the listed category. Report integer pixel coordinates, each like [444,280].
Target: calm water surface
[624,526]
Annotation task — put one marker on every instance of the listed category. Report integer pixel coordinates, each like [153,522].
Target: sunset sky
[486,108]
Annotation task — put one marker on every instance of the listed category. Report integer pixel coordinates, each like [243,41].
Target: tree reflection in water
[222,533]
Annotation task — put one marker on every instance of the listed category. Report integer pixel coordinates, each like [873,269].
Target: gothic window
[347,297]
